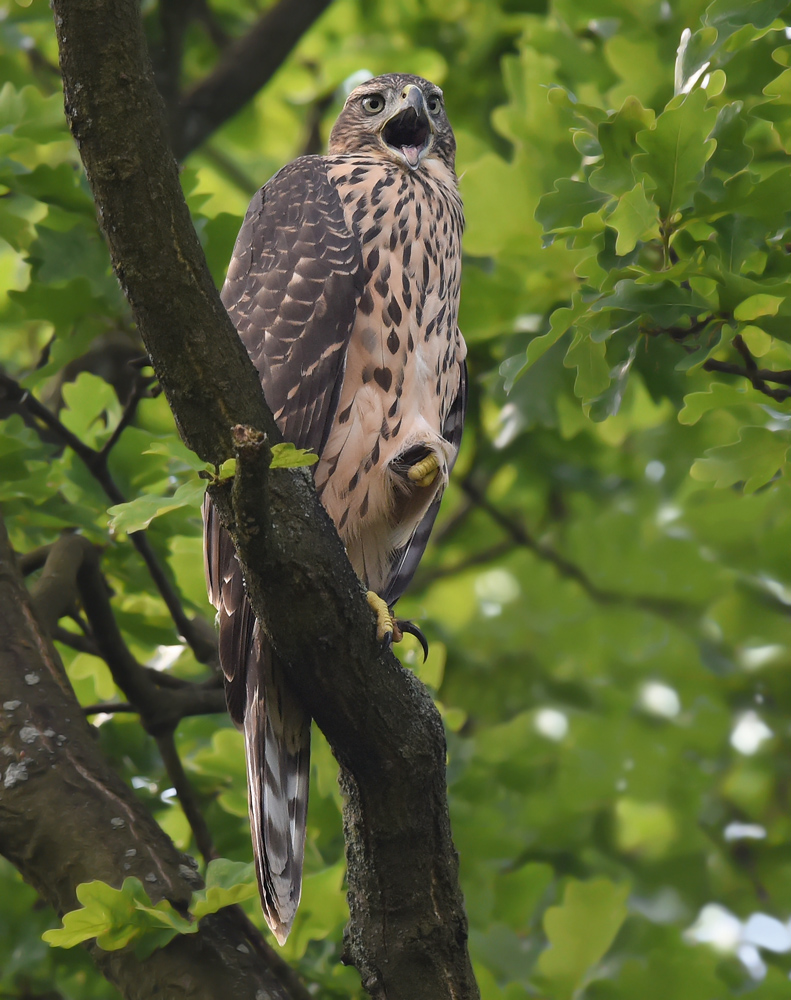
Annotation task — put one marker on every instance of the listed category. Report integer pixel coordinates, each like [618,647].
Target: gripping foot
[385,624]
[390,629]
[424,473]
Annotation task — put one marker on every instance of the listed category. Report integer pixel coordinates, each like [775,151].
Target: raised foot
[424,473]
[390,629]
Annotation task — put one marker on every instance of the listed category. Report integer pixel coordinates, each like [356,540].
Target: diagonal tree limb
[202,644]
[245,67]
[53,769]
[408,932]
[72,573]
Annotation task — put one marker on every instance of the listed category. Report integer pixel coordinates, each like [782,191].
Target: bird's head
[398,117]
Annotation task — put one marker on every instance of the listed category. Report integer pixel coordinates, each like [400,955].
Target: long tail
[277,747]
[276,734]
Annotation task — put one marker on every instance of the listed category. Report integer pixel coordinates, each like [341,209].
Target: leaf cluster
[607,599]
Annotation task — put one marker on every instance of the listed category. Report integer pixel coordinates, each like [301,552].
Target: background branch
[245,67]
[200,640]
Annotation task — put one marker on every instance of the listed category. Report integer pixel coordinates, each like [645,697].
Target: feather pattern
[344,287]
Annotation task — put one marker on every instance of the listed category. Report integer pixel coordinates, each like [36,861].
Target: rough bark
[407,934]
[66,817]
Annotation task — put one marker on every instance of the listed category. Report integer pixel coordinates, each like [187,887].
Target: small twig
[109,708]
[186,795]
[519,534]
[230,170]
[72,572]
[758,378]
[96,463]
[765,374]
[138,392]
[82,643]
[481,558]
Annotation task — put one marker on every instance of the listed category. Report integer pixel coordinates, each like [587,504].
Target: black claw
[414,630]
[387,641]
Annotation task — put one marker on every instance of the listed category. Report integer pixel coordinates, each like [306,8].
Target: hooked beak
[409,131]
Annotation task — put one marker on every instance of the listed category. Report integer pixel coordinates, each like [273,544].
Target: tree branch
[72,572]
[53,768]
[665,607]
[186,795]
[408,931]
[96,462]
[757,376]
[246,66]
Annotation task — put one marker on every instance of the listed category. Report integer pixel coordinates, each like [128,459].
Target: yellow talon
[424,473]
[384,620]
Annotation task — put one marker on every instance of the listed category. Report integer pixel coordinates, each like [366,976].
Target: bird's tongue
[411,154]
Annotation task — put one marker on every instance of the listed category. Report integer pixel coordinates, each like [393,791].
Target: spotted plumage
[344,287]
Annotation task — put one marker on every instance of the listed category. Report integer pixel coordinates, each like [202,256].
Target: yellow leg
[424,473]
[390,629]
[384,620]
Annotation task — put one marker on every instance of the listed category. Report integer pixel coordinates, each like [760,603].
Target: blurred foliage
[609,591]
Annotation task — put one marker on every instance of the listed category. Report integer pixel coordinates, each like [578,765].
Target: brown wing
[292,290]
[405,560]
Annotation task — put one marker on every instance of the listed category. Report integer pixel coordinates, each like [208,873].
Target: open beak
[409,130]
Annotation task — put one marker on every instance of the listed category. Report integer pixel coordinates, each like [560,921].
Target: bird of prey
[344,287]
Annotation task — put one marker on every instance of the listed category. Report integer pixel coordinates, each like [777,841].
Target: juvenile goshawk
[344,287]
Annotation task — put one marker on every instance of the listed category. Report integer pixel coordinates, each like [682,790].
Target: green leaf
[117,917]
[758,305]
[227,882]
[728,15]
[28,114]
[286,456]
[593,372]
[580,932]
[663,303]
[139,513]
[676,150]
[617,138]
[754,459]
[61,256]
[718,396]
[635,218]
[93,409]
[495,223]
[758,342]
[566,207]
[694,57]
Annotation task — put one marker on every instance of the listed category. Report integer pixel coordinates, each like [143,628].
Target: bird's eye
[434,104]
[373,104]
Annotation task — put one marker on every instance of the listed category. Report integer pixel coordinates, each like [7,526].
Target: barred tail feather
[276,734]
[277,748]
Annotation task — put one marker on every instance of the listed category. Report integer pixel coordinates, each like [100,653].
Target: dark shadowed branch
[71,573]
[520,536]
[54,768]
[200,639]
[244,68]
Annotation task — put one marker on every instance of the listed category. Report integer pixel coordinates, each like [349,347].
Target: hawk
[344,287]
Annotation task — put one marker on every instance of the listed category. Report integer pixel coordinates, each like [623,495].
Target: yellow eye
[434,104]
[373,104]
